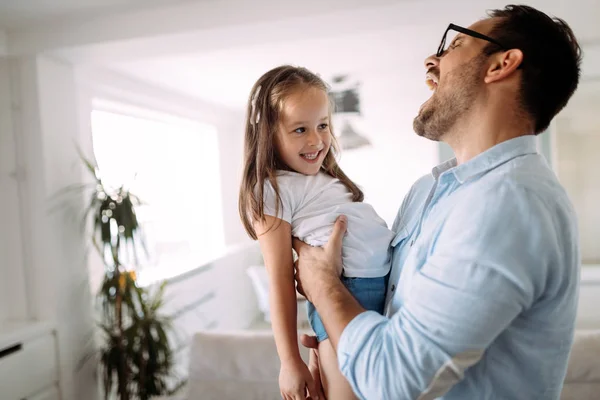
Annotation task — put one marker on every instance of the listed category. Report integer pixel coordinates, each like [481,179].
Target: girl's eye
[299,130]
[323,126]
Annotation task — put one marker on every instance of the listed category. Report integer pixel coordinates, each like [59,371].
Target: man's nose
[432,62]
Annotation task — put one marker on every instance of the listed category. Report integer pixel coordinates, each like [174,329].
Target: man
[483,290]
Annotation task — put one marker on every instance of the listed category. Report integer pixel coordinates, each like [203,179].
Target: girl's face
[303,137]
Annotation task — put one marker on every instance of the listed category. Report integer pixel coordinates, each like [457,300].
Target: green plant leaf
[136,357]
[91,166]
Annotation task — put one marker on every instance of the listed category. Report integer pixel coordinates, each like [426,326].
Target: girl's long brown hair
[261,160]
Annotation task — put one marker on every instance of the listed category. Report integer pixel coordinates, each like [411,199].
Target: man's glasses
[465,31]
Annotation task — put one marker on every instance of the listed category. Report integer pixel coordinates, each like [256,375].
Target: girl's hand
[295,379]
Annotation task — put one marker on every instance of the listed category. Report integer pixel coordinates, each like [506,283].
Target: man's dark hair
[551,59]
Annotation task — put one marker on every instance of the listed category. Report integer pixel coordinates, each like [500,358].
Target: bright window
[172,165]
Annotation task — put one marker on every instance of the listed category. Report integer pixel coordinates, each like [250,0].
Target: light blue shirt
[483,290]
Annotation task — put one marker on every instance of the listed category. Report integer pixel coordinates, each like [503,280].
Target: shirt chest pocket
[405,232]
[400,252]
[401,236]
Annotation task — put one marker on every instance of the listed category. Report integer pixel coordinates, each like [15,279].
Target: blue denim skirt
[369,292]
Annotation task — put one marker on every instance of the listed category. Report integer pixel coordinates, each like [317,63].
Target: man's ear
[503,64]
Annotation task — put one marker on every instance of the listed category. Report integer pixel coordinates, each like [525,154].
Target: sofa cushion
[237,365]
[582,381]
[245,365]
[584,361]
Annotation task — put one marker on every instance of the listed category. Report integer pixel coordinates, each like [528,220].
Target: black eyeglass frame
[465,31]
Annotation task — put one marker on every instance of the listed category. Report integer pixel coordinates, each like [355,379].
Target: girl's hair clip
[255,116]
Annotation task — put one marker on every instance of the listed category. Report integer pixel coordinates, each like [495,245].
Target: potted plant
[136,357]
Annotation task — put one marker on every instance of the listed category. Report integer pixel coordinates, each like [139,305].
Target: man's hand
[311,343]
[317,264]
[318,273]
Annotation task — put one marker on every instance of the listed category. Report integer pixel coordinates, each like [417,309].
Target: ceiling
[20,14]
[225,77]
[220,64]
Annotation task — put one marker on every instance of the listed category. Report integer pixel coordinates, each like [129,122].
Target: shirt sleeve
[477,278]
[285,209]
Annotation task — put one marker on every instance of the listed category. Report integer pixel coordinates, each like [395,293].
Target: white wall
[231,140]
[588,316]
[45,123]
[12,284]
[576,147]
[3,43]
[397,157]
[581,181]
[577,141]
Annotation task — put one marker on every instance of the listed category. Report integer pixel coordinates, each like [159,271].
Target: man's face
[456,78]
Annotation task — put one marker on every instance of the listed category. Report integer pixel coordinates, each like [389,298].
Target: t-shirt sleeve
[285,210]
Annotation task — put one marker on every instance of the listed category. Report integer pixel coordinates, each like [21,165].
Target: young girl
[293,186]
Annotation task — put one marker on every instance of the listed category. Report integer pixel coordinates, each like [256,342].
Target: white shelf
[14,332]
[29,366]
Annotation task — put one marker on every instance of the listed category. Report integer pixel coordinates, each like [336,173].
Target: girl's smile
[303,137]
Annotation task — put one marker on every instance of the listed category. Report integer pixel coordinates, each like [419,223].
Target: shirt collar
[489,159]
[443,167]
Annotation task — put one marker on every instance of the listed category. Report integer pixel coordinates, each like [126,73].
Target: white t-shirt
[311,204]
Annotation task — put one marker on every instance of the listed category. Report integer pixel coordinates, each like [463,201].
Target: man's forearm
[336,307]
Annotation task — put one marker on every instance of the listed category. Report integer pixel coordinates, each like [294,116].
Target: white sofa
[244,365]
[237,365]
[583,374]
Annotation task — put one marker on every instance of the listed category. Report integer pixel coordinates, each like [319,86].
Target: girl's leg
[335,386]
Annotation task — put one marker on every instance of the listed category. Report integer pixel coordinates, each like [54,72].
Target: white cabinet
[28,362]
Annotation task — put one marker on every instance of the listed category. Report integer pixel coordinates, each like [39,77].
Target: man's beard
[439,115]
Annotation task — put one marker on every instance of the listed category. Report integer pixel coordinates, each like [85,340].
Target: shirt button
[393,288]
[412,242]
